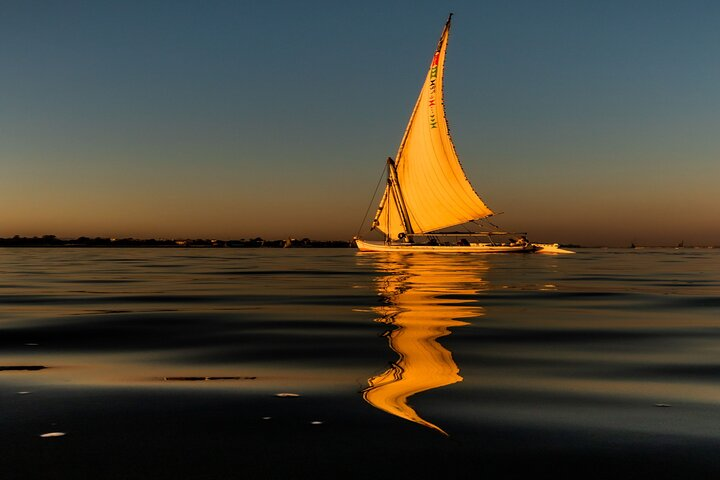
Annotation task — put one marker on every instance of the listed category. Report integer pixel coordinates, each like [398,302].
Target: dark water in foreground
[602,363]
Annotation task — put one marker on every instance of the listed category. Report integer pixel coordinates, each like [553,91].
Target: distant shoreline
[257,242]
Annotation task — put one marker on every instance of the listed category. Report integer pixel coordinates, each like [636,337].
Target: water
[167,363]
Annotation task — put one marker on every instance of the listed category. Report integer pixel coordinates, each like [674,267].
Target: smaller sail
[434,188]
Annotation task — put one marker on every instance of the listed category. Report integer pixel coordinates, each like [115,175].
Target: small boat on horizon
[427,191]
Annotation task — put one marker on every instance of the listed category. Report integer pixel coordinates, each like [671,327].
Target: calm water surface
[167,363]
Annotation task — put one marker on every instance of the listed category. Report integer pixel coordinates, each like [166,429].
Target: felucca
[427,191]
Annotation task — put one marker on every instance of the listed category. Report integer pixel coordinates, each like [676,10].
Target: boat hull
[368,246]
[548,248]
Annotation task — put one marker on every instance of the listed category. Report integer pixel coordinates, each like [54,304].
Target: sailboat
[427,191]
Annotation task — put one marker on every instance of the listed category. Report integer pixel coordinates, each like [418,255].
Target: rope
[477,222]
[372,200]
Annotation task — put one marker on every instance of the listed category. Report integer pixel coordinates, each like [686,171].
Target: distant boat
[427,190]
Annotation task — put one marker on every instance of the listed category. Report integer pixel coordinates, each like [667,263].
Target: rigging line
[372,200]
[485,220]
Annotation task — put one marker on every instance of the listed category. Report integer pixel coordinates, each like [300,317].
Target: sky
[584,122]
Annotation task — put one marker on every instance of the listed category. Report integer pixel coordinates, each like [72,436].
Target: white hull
[367,246]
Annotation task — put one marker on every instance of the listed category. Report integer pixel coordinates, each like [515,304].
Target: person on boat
[521,241]
[464,242]
[403,237]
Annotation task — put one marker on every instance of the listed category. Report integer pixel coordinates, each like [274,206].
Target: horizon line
[182,241]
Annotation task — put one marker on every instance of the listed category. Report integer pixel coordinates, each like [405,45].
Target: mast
[395,185]
[393,189]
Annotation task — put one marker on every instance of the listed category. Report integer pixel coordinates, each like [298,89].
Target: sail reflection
[413,289]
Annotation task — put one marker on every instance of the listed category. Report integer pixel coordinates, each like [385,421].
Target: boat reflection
[414,289]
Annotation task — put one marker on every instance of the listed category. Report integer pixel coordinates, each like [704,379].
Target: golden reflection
[415,289]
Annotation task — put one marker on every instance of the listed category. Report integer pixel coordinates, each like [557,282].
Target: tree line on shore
[53,241]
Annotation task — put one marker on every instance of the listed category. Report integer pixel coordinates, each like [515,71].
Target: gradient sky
[584,122]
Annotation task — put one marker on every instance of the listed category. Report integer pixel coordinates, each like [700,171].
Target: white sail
[435,191]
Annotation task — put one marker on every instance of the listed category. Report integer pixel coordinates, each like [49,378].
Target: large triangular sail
[427,188]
